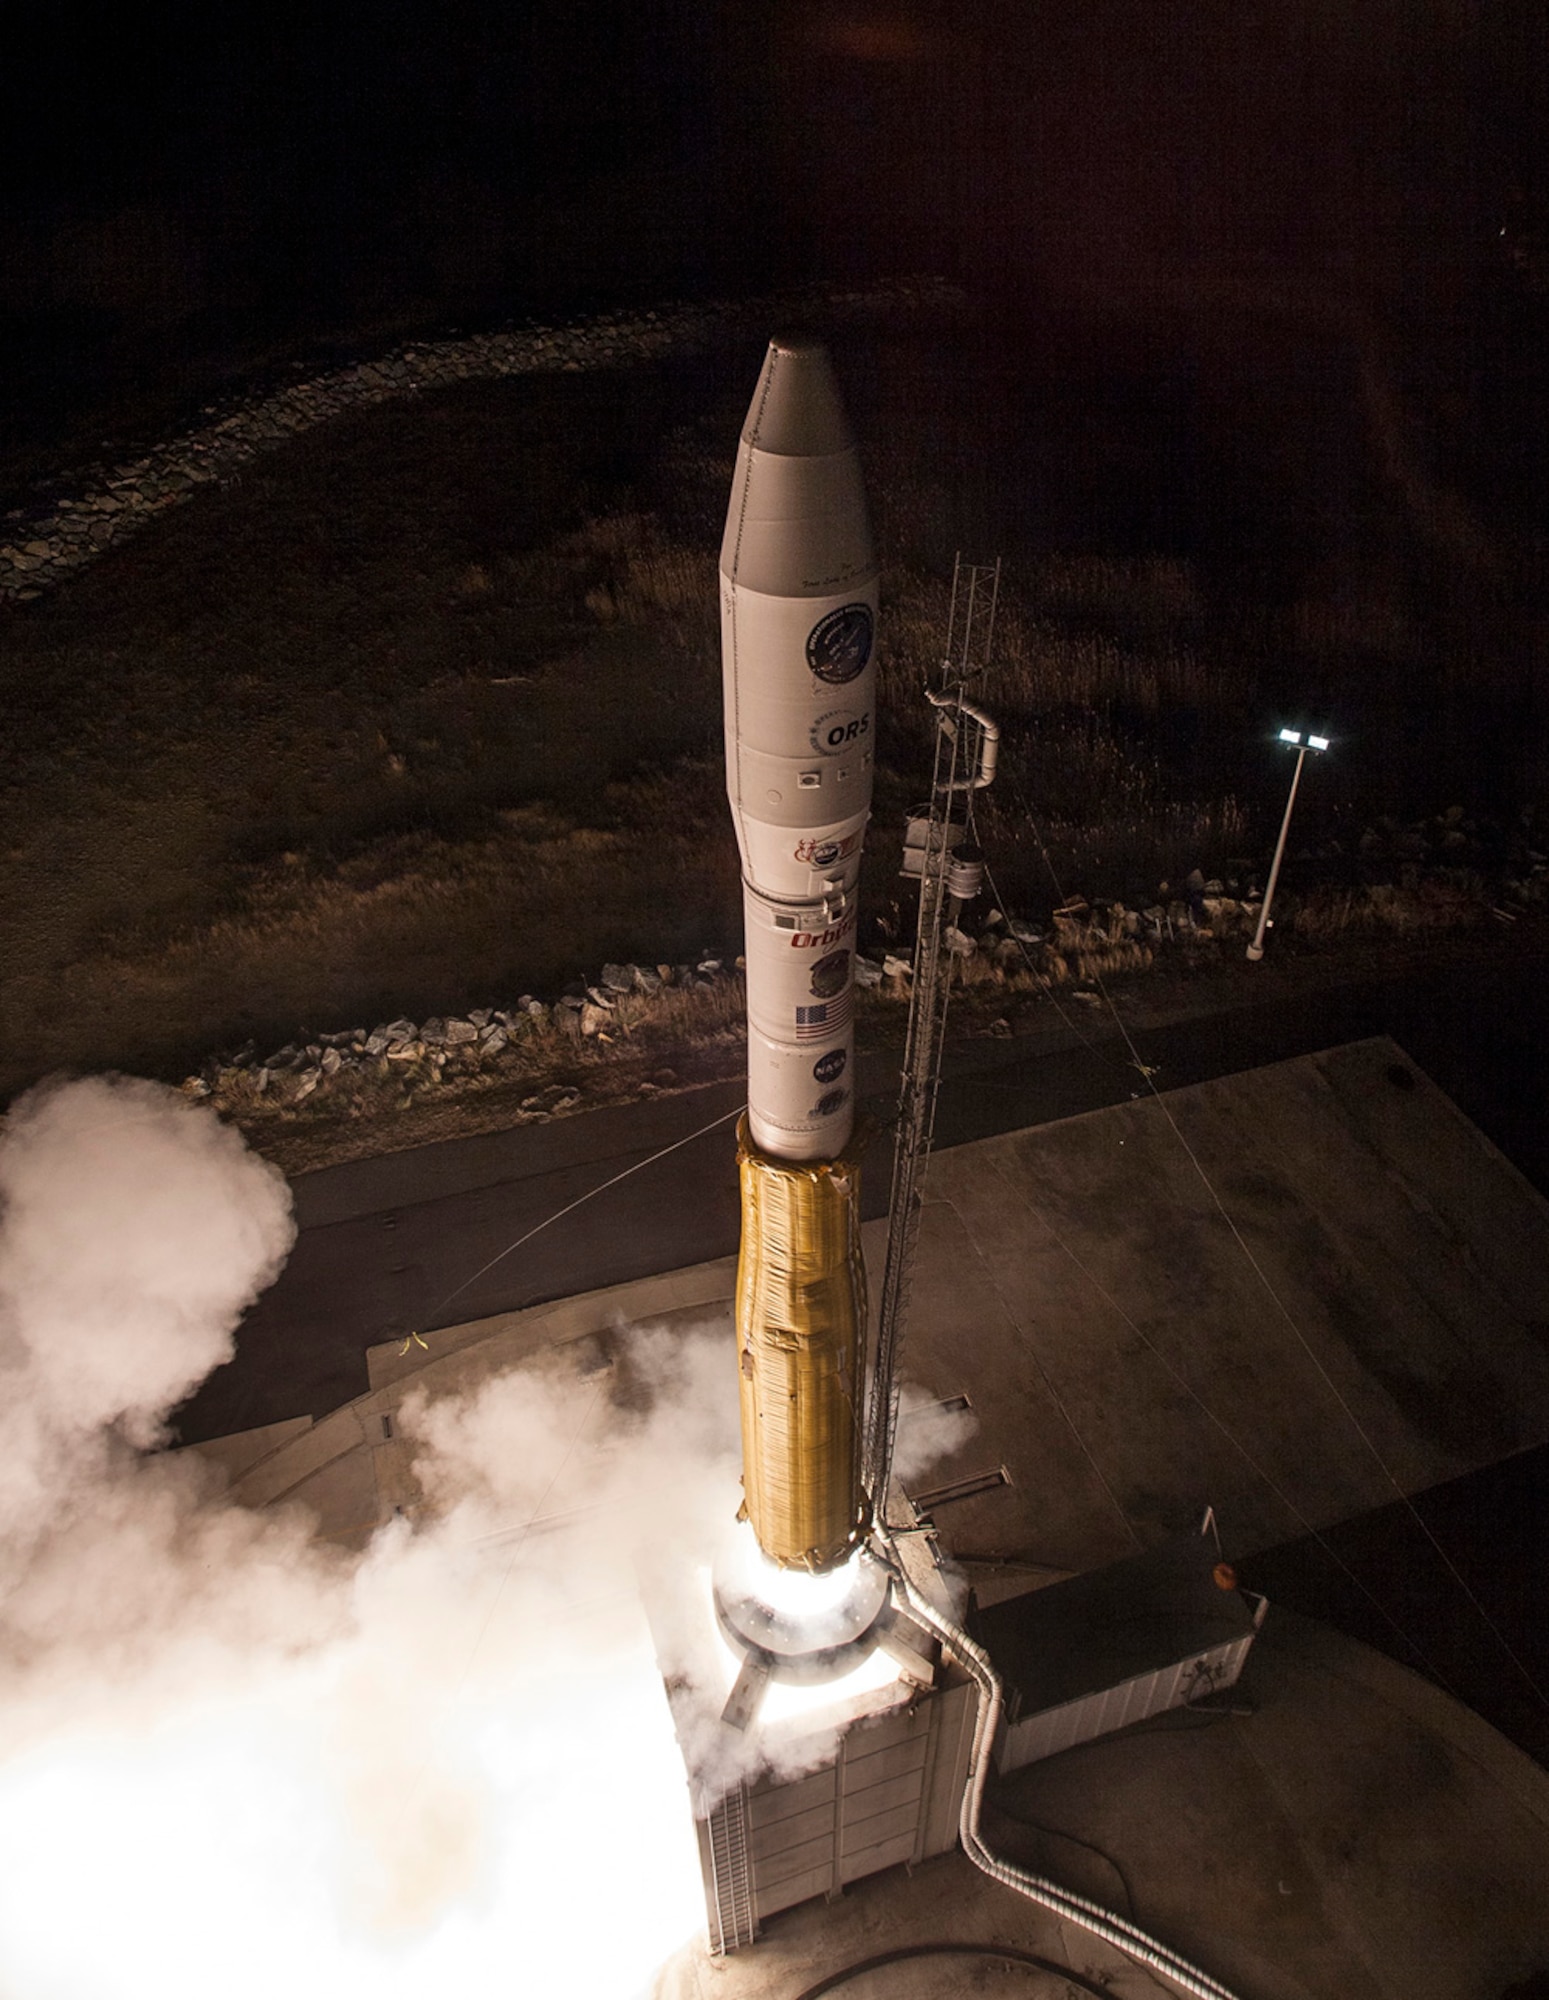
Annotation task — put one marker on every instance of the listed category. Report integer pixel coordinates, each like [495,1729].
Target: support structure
[950,872]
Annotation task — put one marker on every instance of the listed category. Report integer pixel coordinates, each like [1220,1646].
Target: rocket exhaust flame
[806,1628]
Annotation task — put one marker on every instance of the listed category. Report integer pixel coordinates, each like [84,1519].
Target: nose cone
[796,410]
[796,526]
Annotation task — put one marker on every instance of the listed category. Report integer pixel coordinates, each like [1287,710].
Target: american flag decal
[823,1019]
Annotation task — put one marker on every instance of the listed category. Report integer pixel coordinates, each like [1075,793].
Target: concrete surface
[1370,1320]
[1376,1317]
[415,1239]
[1373,1326]
[1359,1837]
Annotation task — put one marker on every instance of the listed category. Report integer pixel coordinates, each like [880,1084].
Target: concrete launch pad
[1124,1360]
[1360,1837]
[1373,1313]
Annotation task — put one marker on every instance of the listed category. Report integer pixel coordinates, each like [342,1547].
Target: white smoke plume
[232,1757]
[928,1432]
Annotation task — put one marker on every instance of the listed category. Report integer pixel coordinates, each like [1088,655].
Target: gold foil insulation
[801,1332]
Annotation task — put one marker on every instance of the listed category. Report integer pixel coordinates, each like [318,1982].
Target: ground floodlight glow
[1317,742]
[1290,736]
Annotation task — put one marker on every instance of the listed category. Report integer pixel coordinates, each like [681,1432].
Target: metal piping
[1113,1930]
[989,740]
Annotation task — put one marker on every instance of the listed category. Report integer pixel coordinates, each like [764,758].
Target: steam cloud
[233,1757]
[928,1431]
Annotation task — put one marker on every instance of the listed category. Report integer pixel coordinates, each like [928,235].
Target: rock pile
[442,1049]
[1082,943]
[56,536]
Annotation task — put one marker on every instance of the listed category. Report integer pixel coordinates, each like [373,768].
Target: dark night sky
[204,193]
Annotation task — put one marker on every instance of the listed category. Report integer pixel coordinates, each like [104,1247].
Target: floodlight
[1292,738]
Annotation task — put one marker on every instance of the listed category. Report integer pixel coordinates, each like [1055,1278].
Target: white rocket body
[798,623]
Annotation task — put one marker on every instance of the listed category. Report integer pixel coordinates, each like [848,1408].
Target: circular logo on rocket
[839,730]
[839,645]
[827,1069]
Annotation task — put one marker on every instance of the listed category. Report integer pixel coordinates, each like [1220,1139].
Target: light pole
[1302,745]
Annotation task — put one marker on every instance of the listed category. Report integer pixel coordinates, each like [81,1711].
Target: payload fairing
[798,627]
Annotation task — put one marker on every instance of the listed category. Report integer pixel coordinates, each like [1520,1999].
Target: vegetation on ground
[424,715]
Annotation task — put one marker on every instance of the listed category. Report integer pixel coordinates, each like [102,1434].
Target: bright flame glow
[226,1846]
[233,1758]
[795,1593]
[788,1702]
[785,1701]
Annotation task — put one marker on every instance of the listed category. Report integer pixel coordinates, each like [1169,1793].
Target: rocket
[798,624]
[798,586]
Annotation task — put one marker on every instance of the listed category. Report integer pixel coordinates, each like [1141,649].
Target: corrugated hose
[1114,1930]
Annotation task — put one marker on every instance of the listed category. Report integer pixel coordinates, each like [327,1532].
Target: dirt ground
[424,713]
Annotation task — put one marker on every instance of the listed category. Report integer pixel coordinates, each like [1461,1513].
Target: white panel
[798,623]
[771,1799]
[796,1889]
[878,1828]
[880,1765]
[811,1854]
[881,1732]
[865,1801]
[1099,1714]
[952,1717]
[801,1035]
[877,1858]
[767,1843]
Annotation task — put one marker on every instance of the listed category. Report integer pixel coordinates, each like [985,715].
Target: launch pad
[1042,1250]
[791,1626]
[851,1754]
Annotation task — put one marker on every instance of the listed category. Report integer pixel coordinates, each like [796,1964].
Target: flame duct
[798,620]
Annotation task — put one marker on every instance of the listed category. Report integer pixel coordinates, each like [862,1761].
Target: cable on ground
[570,1208]
[832,1981]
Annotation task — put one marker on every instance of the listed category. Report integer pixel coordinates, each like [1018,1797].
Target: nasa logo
[837,731]
[830,1102]
[827,1068]
[839,645]
[831,975]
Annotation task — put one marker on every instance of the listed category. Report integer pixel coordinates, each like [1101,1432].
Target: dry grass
[1426,907]
[1085,634]
[426,716]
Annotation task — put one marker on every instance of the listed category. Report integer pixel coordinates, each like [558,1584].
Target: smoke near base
[231,1756]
